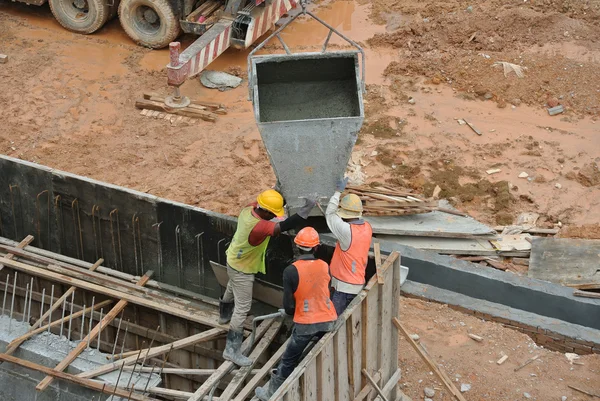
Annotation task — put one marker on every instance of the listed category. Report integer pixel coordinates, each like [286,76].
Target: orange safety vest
[312,295]
[349,266]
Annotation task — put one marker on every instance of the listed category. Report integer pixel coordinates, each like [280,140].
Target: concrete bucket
[309,109]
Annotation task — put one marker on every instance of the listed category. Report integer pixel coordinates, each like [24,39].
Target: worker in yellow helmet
[246,257]
[349,261]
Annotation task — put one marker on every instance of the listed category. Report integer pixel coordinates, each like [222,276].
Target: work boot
[225,311]
[233,349]
[267,391]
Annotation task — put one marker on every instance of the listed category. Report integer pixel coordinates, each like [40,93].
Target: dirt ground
[67,102]
[444,334]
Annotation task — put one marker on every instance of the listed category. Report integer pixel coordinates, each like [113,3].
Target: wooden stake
[584,392]
[114,312]
[97,386]
[527,362]
[427,359]
[20,245]
[377,250]
[586,294]
[374,384]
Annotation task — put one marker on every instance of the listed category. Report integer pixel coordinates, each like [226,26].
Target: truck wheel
[81,16]
[151,23]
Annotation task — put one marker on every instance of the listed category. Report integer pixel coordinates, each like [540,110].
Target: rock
[470,9]
[415,337]
[552,102]
[523,175]
[465,387]
[488,96]
[374,153]
[429,392]
[427,399]
[219,80]
[436,80]
[589,175]
[411,100]
[563,398]
[516,102]
[557,185]
[526,395]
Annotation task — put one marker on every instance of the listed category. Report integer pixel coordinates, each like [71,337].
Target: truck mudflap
[199,54]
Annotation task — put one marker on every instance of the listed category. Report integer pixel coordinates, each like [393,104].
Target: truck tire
[81,16]
[151,23]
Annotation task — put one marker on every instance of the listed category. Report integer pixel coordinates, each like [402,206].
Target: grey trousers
[239,290]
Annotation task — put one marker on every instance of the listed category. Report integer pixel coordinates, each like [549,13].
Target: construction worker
[351,254]
[246,257]
[306,298]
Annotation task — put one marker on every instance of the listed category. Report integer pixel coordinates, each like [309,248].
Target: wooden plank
[14,344]
[91,336]
[389,261]
[390,385]
[310,383]
[257,378]
[565,260]
[386,301]
[293,393]
[227,366]
[26,241]
[512,242]
[91,384]
[185,111]
[155,351]
[427,359]
[181,371]
[169,393]
[374,384]
[356,347]
[377,251]
[238,380]
[585,286]
[189,312]
[394,364]
[368,388]
[325,372]
[342,385]
[586,294]
[372,334]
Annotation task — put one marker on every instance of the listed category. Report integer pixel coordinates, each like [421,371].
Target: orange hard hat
[308,237]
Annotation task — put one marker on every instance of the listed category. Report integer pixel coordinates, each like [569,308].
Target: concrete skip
[309,109]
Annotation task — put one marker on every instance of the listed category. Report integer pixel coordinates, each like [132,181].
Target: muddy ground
[67,101]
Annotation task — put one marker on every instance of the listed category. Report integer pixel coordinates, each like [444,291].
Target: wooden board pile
[387,201]
[154,106]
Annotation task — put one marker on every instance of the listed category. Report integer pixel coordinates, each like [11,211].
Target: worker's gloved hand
[341,184]
[282,313]
[309,203]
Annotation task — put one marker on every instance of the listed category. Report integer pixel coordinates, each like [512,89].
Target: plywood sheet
[565,260]
[434,224]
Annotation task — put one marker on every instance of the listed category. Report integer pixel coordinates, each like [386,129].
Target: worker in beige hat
[349,262]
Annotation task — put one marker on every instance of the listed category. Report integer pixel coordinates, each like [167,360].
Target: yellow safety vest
[241,255]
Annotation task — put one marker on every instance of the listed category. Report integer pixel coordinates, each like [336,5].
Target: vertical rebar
[82,322]
[99,329]
[149,377]
[178,251]
[159,249]
[151,344]
[117,382]
[200,256]
[30,299]
[42,304]
[135,252]
[50,314]
[62,319]
[135,364]
[124,338]
[71,316]
[91,321]
[12,302]
[25,303]
[5,293]
[112,356]
[165,361]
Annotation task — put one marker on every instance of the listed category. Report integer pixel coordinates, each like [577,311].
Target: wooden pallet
[387,201]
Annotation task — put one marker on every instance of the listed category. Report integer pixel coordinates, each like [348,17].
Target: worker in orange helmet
[306,298]
[351,254]
[246,257]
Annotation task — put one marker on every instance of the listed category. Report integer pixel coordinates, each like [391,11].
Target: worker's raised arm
[338,227]
[297,219]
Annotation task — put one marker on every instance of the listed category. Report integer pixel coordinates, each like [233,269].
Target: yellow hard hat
[350,207]
[272,201]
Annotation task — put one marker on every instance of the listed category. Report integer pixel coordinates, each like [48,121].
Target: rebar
[91,321]
[5,293]
[149,377]
[99,329]
[50,314]
[58,216]
[165,361]
[117,382]
[200,258]
[112,357]
[219,249]
[151,344]
[38,217]
[179,254]
[135,364]
[77,227]
[159,249]
[30,299]
[25,303]
[42,304]
[12,302]
[124,338]
[97,237]
[135,253]
[71,316]
[62,319]
[115,212]
[83,322]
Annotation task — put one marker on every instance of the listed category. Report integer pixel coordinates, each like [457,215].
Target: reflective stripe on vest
[241,255]
[349,266]
[312,295]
